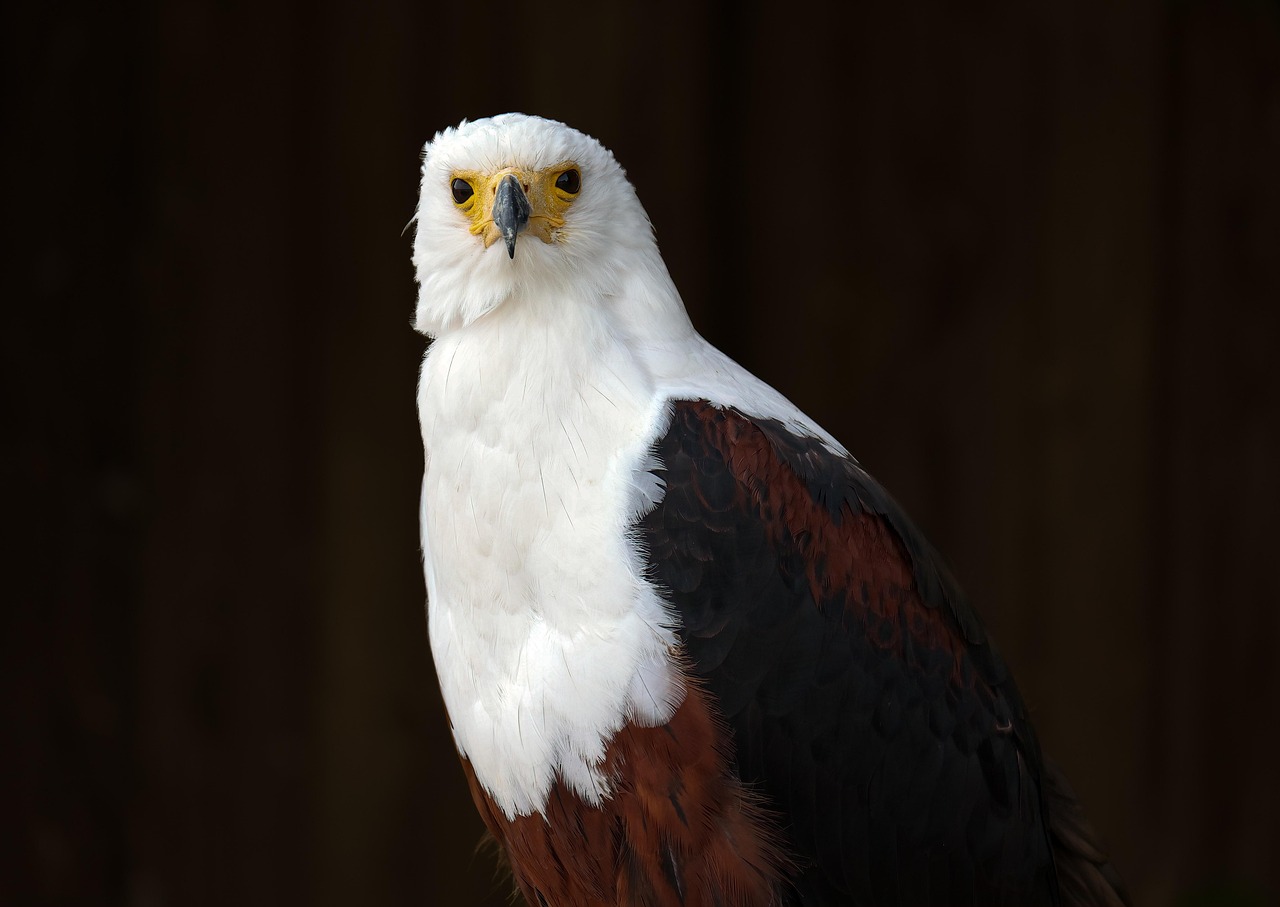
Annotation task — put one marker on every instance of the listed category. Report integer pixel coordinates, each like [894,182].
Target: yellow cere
[548,203]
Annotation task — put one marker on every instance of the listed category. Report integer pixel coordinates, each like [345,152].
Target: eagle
[691,652]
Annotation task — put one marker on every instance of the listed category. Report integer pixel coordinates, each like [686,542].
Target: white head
[517,205]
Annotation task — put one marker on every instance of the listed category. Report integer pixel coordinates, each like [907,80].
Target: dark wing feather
[865,700]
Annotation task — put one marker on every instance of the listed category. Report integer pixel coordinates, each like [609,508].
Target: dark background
[1022,258]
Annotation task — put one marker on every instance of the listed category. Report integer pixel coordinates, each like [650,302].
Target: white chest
[545,634]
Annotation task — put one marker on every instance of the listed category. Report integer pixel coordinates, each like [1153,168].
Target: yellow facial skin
[548,203]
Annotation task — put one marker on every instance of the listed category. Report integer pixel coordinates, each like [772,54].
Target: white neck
[537,419]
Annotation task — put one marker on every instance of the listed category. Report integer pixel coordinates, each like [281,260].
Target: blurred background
[1022,258]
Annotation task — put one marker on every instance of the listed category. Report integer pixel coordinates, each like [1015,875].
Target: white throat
[537,419]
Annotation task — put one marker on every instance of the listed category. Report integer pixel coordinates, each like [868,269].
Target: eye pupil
[570,181]
[461,190]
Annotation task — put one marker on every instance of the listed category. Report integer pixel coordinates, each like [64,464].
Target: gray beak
[511,211]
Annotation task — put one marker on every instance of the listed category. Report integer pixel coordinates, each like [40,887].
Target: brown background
[1023,258]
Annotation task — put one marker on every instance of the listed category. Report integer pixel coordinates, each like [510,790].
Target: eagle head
[516,204]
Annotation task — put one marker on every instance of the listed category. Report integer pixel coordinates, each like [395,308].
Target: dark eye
[462,191]
[569,181]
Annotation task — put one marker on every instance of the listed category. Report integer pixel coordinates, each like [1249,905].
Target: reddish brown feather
[859,552]
[679,829]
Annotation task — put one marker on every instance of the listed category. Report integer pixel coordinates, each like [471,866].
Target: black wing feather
[871,712]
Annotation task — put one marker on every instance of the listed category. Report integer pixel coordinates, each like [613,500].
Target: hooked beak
[511,211]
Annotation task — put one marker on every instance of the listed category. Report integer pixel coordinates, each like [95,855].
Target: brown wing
[865,700]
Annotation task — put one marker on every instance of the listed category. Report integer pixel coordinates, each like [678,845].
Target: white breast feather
[546,636]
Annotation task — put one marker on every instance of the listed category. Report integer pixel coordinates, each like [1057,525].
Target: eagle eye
[461,190]
[570,181]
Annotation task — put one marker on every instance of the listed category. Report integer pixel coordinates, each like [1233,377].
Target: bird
[691,652]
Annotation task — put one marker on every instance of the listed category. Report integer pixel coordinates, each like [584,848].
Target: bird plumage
[691,652]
